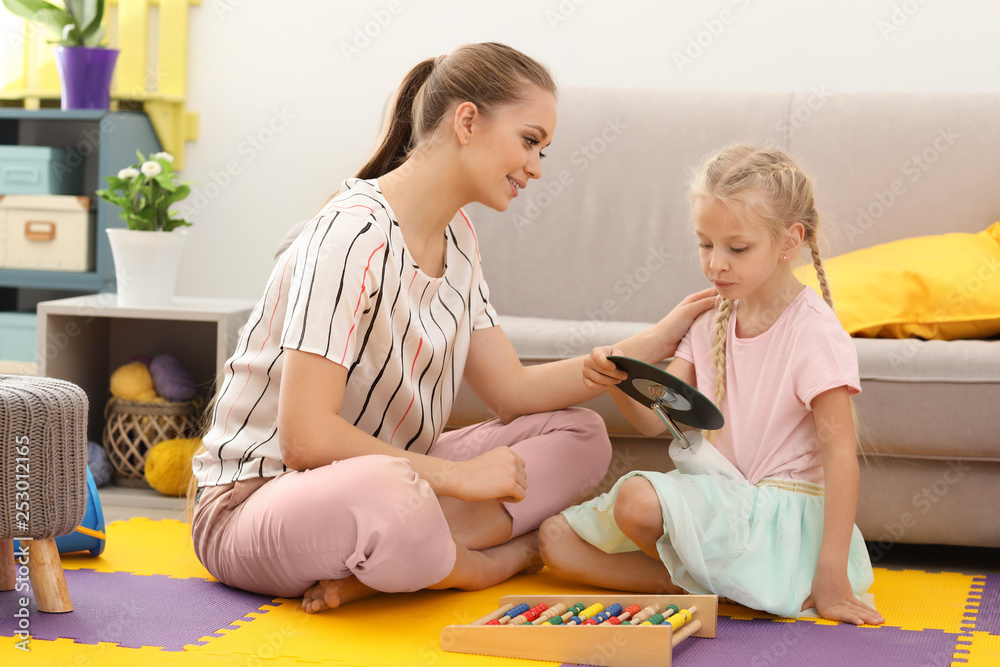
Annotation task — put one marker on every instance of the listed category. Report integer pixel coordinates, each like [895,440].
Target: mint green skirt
[756,545]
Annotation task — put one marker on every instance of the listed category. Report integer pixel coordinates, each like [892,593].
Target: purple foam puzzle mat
[133,610]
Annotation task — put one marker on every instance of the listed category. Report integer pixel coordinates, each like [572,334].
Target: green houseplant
[144,193]
[147,253]
[85,66]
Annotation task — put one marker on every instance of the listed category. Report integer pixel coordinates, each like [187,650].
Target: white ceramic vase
[146,265]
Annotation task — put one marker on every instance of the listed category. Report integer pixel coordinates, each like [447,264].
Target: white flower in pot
[147,254]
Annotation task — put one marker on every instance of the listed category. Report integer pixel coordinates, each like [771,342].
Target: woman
[327,474]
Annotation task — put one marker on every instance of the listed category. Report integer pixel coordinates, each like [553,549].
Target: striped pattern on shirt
[347,289]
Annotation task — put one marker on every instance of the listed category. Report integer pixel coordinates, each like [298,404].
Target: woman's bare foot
[331,593]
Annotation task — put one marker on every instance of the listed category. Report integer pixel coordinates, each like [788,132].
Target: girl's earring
[783,258]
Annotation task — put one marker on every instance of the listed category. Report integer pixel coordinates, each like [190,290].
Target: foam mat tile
[67,653]
[983,649]
[144,546]
[139,611]
[412,623]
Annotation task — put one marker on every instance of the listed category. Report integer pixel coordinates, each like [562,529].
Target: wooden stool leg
[8,575]
[47,578]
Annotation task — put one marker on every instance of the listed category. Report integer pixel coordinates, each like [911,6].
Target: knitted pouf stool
[43,494]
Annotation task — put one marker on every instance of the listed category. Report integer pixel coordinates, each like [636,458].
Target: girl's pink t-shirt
[771,381]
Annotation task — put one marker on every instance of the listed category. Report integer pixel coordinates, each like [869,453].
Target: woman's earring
[783,258]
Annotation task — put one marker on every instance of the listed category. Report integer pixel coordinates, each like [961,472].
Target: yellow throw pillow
[944,287]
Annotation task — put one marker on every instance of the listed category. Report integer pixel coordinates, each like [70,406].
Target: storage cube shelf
[84,339]
[99,144]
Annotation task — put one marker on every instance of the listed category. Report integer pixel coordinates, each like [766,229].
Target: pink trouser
[373,517]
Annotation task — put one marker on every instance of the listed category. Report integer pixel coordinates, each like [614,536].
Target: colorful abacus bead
[629,612]
[610,612]
[680,618]
[554,610]
[559,620]
[529,615]
[655,619]
[643,615]
[503,620]
[671,610]
[585,614]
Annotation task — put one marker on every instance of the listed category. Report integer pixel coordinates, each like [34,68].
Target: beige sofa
[601,246]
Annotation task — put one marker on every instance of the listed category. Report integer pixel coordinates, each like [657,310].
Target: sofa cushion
[944,286]
[929,399]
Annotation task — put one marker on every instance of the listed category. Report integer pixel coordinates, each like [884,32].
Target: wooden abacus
[606,643]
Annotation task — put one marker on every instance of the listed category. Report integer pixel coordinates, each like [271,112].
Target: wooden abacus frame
[611,645]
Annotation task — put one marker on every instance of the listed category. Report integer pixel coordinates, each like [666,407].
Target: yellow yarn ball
[168,465]
[132,382]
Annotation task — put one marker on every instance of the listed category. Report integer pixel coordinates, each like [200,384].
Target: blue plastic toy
[89,535]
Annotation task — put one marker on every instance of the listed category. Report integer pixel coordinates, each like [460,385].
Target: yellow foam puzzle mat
[146,600]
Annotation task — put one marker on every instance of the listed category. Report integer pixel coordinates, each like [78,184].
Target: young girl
[782,370]
[327,473]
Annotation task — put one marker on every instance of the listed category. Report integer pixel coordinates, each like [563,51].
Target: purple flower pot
[85,76]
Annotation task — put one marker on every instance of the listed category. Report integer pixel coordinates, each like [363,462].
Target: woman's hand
[498,473]
[835,601]
[671,329]
[599,372]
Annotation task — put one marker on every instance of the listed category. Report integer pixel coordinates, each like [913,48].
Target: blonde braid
[724,311]
[722,314]
[824,286]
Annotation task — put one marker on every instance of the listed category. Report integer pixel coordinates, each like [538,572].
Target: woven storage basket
[131,428]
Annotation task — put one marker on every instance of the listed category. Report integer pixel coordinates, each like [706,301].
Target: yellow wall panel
[133,32]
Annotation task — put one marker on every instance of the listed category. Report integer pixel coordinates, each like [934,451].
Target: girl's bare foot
[331,593]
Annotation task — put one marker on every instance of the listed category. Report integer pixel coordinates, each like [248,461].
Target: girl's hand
[497,474]
[599,372]
[671,329]
[835,601]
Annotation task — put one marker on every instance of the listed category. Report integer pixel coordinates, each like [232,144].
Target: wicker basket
[131,428]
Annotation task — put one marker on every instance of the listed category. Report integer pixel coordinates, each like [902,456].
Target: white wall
[288,109]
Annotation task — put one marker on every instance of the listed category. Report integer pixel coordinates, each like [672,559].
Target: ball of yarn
[168,465]
[133,382]
[98,463]
[171,378]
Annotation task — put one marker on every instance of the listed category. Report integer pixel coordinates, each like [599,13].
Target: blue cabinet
[97,143]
